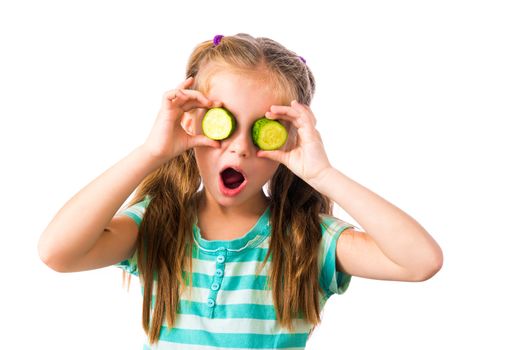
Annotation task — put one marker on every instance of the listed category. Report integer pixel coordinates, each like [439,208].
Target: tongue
[232,178]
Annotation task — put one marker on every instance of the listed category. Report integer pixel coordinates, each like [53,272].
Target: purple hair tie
[216,39]
[302,59]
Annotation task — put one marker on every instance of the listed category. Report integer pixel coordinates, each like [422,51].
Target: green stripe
[136,211]
[230,282]
[133,216]
[245,282]
[255,311]
[253,254]
[233,340]
[128,267]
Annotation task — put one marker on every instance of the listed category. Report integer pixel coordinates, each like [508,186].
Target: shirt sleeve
[135,212]
[331,280]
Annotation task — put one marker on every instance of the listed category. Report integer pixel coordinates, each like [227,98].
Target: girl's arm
[81,222]
[394,246]
[84,234]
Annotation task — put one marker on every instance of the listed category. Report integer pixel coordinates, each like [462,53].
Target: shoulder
[332,226]
[136,211]
[331,280]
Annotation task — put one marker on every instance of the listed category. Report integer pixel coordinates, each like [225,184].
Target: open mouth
[231,178]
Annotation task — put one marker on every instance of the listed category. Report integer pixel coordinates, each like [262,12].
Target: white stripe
[264,244]
[209,267]
[243,296]
[137,210]
[197,295]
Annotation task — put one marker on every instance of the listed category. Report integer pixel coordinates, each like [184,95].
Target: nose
[240,143]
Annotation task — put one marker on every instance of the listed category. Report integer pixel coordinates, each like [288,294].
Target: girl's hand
[304,152]
[168,138]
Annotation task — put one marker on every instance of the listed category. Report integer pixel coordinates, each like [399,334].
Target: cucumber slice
[268,134]
[218,123]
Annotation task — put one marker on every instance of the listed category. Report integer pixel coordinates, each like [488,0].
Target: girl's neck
[208,207]
[217,222]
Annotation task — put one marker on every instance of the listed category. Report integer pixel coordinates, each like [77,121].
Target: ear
[188,123]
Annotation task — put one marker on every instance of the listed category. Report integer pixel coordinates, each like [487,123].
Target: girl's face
[233,174]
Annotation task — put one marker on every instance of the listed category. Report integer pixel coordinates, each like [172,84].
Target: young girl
[223,261]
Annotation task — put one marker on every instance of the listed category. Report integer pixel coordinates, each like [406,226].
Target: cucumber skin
[258,126]
[223,110]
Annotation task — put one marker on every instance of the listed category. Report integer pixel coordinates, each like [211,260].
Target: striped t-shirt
[230,306]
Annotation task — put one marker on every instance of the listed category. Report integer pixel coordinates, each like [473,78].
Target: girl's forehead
[244,95]
[224,82]
[216,80]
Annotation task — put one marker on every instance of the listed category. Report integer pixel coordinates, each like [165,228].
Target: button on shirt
[231,305]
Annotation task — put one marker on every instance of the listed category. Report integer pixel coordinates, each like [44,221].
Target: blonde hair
[165,233]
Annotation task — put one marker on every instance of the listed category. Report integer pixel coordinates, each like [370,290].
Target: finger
[171,94]
[192,104]
[280,116]
[282,113]
[198,96]
[284,110]
[187,100]
[292,117]
[304,110]
[186,84]
[300,115]
[169,98]
[217,104]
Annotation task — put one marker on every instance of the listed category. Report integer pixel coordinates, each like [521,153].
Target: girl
[224,261]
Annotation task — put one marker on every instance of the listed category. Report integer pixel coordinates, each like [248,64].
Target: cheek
[203,158]
[267,168]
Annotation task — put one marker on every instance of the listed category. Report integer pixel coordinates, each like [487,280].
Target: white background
[418,101]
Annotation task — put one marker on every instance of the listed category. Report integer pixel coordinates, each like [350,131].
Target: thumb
[201,140]
[276,155]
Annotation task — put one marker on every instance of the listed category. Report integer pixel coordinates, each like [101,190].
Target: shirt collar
[251,239]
